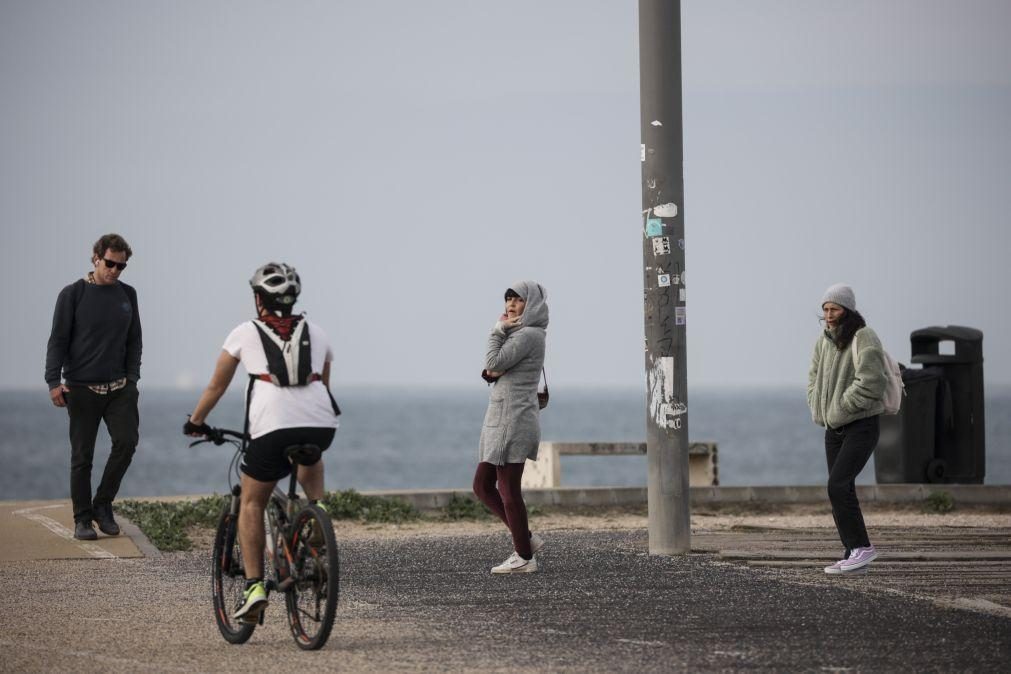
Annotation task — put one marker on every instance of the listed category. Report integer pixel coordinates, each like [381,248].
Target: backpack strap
[78,291]
[245,423]
[131,293]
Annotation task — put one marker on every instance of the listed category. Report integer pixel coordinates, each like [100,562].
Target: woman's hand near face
[505,324]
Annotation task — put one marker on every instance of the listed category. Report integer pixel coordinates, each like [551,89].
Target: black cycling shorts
[265,460]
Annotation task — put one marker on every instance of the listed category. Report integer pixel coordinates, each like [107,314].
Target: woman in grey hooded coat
[512,429]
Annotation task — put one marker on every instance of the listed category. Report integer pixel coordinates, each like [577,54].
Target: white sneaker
[536,543]
[516,564]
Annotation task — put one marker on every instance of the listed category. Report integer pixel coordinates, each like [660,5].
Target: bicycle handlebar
[217,436]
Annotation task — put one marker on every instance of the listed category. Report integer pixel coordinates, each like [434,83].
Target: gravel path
[427,602]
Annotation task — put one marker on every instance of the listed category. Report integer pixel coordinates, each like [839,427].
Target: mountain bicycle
[301,558]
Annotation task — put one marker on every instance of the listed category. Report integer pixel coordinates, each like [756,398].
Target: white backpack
[894,388]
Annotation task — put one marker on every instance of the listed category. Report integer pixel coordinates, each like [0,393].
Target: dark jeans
[86,409]
[847,450]
[506,501]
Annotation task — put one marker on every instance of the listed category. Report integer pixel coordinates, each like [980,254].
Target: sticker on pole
[663,280]
[664,406]
[642,152]
[679,315]
[661,245]
[669,210]
[654,227]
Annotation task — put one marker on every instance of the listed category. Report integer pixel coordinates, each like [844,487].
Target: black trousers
[86,409]
[847,450]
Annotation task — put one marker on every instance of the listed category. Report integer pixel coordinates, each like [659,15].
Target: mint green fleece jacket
[839,393]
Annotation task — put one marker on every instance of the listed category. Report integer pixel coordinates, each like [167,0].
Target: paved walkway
[45,530]
[968,567]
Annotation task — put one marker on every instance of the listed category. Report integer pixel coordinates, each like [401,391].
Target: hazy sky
[412,159]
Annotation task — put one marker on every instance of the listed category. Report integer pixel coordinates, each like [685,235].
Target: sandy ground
[726,518]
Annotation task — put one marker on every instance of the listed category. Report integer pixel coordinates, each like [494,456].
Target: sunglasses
[112,263]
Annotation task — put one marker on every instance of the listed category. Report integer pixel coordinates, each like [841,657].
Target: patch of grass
[165,523]
[350,505]
[939,502]
[464,508]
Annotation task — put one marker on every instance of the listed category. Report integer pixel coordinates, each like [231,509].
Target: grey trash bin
[960,442]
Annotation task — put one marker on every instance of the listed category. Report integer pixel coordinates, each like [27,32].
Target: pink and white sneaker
[858,559]
[834,568]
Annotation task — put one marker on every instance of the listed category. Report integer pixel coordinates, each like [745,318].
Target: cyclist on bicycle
[288,402]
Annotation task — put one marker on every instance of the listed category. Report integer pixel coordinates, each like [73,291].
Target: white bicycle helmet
[277,284]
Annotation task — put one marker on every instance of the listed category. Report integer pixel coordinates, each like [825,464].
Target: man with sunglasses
[92,368]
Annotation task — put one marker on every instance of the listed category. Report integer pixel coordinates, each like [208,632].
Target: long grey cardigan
[512,427]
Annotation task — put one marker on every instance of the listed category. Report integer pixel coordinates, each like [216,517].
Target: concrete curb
[128,528]
[432,499]
[964,494]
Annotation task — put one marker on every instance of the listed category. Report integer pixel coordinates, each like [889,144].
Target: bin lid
[925,343]
[940,333]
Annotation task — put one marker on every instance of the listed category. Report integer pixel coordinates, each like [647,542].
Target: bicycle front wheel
[228,580]
[315,570]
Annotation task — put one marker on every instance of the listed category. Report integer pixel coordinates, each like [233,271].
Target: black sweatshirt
[96,335]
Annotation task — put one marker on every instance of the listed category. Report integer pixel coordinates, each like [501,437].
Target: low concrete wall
[546,471]
[966,494]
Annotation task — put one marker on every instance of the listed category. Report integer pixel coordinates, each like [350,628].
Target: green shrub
[350,505]
[940,502]
[464,508]
[165,523]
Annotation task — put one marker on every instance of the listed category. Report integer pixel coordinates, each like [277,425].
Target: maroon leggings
[506,501]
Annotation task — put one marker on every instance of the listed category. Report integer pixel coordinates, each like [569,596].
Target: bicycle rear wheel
[228,579]
[315,568]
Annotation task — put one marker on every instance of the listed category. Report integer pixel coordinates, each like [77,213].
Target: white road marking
[92,549]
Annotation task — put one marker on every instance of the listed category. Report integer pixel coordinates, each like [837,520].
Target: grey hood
[535,313]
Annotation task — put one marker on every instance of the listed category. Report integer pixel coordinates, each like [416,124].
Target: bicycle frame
[280,511]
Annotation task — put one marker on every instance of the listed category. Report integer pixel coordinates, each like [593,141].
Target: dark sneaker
[106,524]
[254,600]
[84,531]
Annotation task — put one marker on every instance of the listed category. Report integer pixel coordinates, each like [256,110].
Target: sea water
[405,438]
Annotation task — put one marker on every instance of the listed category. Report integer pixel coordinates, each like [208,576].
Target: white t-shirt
[274,407]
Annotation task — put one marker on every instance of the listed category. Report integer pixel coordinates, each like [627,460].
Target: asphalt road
[428,603]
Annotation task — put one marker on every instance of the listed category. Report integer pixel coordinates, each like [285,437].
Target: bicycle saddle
[304,455]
